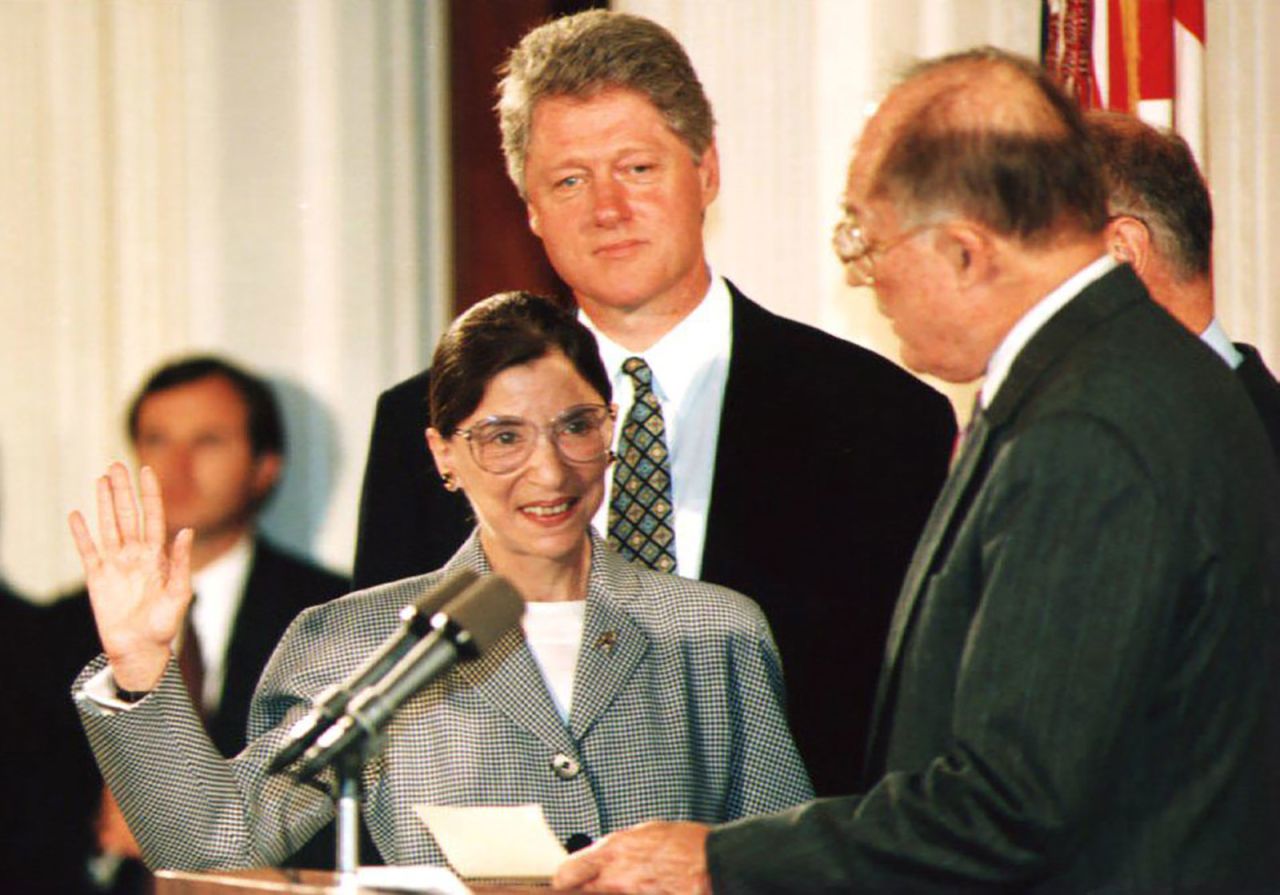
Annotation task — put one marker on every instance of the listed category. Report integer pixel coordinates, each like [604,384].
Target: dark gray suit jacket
[1079,691]
[1264,392]
[829,459]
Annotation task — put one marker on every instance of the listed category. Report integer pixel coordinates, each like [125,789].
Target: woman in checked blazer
[627,695]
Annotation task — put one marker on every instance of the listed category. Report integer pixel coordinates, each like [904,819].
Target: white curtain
[260,179]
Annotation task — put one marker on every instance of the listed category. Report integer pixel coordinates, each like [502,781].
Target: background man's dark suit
[41,764]
[1080,682]
[279,586]
[1263,390]
[829,459]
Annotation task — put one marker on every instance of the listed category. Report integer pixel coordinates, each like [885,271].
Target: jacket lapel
[612,643]
[508,677]
[934,535]
[747,380]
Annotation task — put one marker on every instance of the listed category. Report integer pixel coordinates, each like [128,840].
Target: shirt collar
[683,352]
[1216,338]
[1031,322]
[220,584]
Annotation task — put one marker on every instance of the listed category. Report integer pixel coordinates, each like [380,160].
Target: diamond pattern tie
[640,512]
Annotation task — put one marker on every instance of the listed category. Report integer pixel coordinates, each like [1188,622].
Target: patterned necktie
[640,512]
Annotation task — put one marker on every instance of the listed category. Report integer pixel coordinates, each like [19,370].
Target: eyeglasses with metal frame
[502,444]
[858,254]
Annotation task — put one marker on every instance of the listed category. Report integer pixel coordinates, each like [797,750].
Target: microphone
[331,703]
[463,630]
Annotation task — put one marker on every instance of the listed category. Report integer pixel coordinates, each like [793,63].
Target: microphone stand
[346,803]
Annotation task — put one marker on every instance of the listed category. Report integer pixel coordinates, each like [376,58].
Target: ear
[969,250]
[613,419]
[709,175]
[266,472]
[532,214]
[441,451]
[1128,239]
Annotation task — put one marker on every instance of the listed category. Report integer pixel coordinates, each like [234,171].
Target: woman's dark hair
[505,330]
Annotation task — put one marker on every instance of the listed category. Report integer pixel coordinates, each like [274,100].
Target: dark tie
[191,660]
[640,512]
[962,437]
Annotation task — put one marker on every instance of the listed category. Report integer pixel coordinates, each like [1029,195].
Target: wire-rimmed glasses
[858,254]
[501,444]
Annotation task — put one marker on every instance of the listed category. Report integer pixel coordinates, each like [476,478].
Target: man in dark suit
[787,447]
[1079,691]
[1161,222]
[214,435]
[42,763]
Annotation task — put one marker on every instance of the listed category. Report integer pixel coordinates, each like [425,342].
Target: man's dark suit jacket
[278,587]
[40,763]
[1080,689]
[829,459]
[1263,390]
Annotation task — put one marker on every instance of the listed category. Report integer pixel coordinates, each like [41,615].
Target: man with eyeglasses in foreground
[788,465]
[1080,684]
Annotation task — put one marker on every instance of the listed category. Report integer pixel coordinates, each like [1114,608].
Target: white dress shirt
[690,366]
[220,586]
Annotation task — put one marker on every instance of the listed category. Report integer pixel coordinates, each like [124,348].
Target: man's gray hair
[990,136]
[1152,175]
[584,54]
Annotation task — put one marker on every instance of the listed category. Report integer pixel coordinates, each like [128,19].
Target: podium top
[291,882]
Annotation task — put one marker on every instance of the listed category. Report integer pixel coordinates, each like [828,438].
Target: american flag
[1145,57]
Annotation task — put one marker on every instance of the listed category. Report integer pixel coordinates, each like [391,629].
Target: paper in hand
[495,842]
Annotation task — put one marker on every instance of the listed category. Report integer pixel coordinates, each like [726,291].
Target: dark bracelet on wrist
[131,696]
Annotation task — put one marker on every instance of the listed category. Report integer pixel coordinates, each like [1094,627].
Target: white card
[495,842]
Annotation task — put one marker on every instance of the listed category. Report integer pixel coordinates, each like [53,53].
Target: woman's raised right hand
[138,587]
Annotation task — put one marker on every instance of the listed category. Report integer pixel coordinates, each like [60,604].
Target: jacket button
[565,766]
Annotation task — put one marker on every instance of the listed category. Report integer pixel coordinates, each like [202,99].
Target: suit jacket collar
[613,644]
[1100,300]
[751,375]
[1097,302]
[254,632]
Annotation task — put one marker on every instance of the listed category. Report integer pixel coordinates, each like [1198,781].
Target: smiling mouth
[624,247]
[549,510]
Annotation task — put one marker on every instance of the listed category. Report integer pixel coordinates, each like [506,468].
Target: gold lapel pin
[607,640]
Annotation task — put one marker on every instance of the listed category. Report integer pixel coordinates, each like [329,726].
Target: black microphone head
[418,615]
[487,610]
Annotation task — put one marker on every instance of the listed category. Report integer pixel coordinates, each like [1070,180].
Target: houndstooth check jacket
[677,713]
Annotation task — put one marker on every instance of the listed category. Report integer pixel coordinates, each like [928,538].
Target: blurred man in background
[215,437]
[1161,222]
